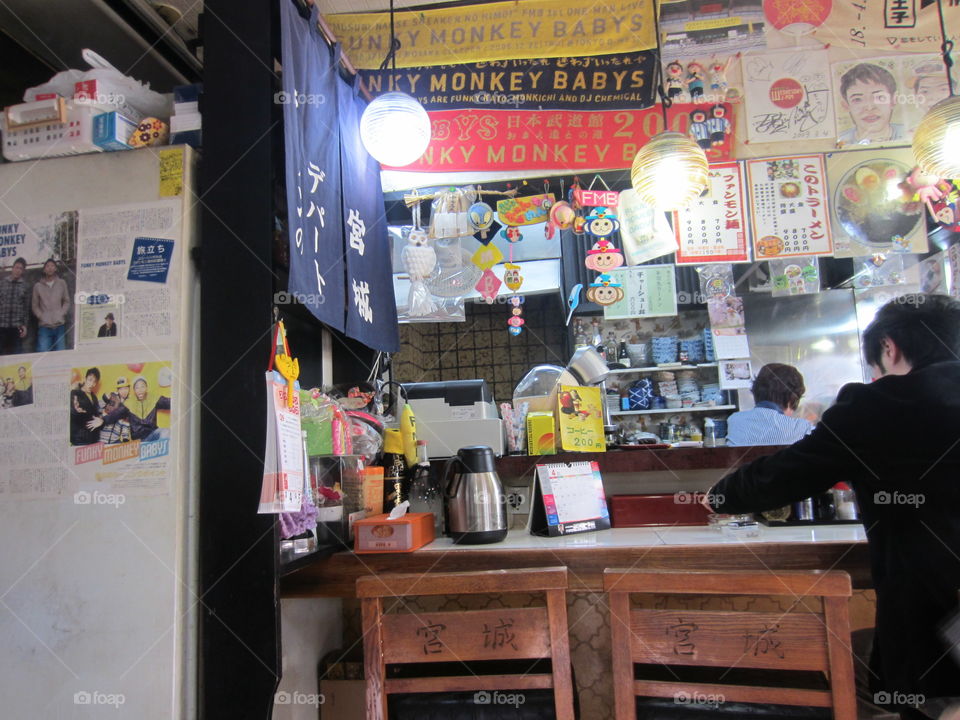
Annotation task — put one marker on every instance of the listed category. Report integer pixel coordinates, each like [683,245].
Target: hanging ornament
[419,260]
[605,290]
[603,257]
[486,257]
[515,322]
[511,234]
[480,216]
[512,277]
[561,218]
[601,223]
[525,210]
[488,286]
[579,224]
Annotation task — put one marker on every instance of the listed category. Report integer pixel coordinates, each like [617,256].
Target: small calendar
[712,229]
[569,499]
[790,214]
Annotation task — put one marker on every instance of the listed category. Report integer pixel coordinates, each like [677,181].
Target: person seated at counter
[897,441]
[776,394]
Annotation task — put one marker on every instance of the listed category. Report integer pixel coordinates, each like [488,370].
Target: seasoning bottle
[425,494]
[394,469]
[622,356]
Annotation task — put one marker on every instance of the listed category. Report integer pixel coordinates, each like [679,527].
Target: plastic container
[53,139]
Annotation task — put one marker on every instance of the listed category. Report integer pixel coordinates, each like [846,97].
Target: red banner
[557,140]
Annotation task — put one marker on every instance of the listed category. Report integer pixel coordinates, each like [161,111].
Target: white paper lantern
[936,141]
[670,171]
[395,129]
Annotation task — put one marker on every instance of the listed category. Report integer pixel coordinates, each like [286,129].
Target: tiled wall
[481,347]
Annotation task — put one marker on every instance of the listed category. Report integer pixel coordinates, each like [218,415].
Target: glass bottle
[597,339]
[622,356]
[426,494]
[579,336]
[611,347]
[394,469]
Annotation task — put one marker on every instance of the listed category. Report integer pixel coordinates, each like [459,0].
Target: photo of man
[141,412]
[119,431]
[50,304]
[868,93]
[85,410]
[109,327]
[13,309]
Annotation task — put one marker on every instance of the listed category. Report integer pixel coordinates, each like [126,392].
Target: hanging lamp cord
[946,48]
[665,101]
[390,61]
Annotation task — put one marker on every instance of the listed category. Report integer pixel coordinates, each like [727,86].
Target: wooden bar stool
[472,635]
[769,641]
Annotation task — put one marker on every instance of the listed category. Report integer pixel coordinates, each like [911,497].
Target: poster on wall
[645,233]
[648,291]
[871,210]
[38,282]
[953,261]
[736,374]
[713,228]
[790,213]
[697,28]
[880,101]
[466,140]
[606,82]
[788,96]
[728,326]
[496,31]
[933,274]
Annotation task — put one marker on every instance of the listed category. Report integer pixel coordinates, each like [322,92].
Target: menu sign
[791,215]
[648,291]
[713,228]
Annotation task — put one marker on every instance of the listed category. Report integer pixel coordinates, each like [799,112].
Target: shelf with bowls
[673,411]
[661,368]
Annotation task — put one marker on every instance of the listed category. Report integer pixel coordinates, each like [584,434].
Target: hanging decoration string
[946,48]
[665,101]
[391,58]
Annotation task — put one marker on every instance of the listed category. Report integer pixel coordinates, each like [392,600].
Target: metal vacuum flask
[476,505]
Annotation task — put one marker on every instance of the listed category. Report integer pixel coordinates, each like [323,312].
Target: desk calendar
[713,229]
[568,499]
[790,214]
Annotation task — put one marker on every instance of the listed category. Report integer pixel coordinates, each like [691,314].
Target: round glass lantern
[670,171]
[936,141]
[395,129]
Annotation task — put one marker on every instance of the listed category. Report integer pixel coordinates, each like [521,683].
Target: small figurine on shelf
[718,76]
[673,80]
[695,81]
[698,128]
[718,125]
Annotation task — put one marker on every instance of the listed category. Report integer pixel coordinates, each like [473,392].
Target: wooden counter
[837,547]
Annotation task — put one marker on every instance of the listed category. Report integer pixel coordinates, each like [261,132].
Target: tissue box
[379,535]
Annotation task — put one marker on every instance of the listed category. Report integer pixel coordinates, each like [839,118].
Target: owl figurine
[419,260]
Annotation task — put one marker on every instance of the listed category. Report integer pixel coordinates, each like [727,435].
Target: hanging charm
[516,322]
[605,290]
[488,286]
[602,222]
[511,234]
[419,260]
[512,277]
[603,257]
[486,257]
[481,218]
[562,217]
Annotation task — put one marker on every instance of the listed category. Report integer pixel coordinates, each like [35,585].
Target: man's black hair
[20,261]
[780,384]
[93,371]
[926,328]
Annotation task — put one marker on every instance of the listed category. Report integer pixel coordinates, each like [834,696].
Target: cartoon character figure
[698,128]
[480,215]
[512,277]
[603,256]
[718,125]
[605,290]
[579,224]
[928,189]
[561,216]
[946,214]
[673,80]
[601,223]
[512,234]
[718,76]
[695,81]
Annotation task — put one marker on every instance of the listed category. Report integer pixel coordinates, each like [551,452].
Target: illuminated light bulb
[936,141]
[670,171]
[395,129]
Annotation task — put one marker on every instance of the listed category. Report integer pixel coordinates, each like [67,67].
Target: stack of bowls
[694,349]
[708,351]
[688,388]
[664,349]
[711,392]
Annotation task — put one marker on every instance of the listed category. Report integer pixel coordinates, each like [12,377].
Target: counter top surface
[657,536]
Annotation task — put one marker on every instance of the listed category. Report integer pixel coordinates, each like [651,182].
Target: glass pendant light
[670,171]
[394,128]
[936,141]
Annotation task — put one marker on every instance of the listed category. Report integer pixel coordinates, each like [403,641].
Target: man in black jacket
[897,441]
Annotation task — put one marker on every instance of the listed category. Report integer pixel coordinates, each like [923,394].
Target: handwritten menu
[648,291]
[791,215]
[712,229]
[569,499]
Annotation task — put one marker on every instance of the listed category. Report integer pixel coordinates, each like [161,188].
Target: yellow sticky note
[171,172]
[580,411]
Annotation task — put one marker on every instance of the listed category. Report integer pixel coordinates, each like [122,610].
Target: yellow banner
[497,31]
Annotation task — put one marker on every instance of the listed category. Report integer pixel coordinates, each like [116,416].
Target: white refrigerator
[98,461]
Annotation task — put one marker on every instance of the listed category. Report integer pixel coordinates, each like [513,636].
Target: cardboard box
[379,535]
[541,435]
[112,131]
